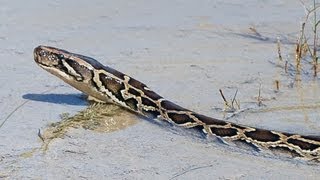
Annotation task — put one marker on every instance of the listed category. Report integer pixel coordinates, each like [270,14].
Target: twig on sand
[22,104]
[279,49]
[259,98]
[277,82]
[286,67]
[189,170]
[224,98]
[40,135]
[230,108]
[12,112]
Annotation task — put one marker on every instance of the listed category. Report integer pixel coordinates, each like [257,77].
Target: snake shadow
[69,99]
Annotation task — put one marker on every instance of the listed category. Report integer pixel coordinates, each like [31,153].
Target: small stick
[224,99]
[306,46]
[238,104]
[315,58]
[259,96]
[40,135]
[22,104]
[298,54]
[279,49]
[254,30]
[286,67]
[234,97]
[234,101]
[277,85]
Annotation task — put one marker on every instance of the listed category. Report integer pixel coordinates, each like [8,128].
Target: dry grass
[303,46]
[304,50]
[230,107]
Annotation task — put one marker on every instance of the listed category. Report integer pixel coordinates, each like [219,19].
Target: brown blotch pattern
[147,102]
[136,84]
[112,85]
[302,144]
[171,106]
[152,94]
[314,138]
[133,92]
[285,150]
[262,135]
[180,118]
[82,71]
[132,103]
[224,132]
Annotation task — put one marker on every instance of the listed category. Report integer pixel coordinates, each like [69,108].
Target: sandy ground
[186,51]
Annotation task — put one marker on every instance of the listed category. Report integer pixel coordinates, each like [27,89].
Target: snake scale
[109,85]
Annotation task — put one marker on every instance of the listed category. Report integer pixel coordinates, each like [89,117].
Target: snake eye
[43,53]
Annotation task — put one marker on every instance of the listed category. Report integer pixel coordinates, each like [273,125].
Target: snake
[108,85]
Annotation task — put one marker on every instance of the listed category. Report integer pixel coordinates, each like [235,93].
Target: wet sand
[184,50]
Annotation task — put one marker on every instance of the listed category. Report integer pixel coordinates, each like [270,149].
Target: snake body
[109,85]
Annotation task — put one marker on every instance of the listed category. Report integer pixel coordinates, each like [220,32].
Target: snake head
[66,65]
[48,56]
[77,70]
